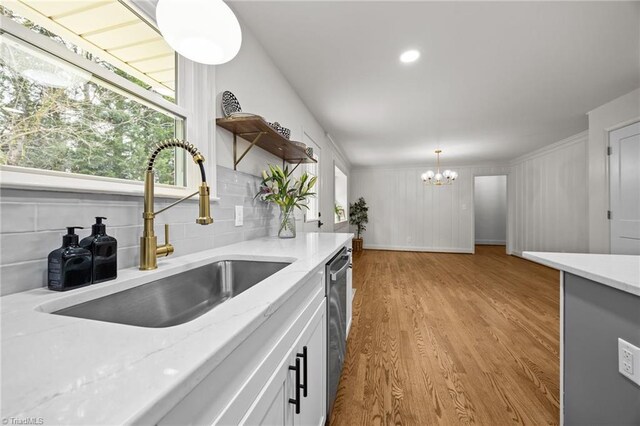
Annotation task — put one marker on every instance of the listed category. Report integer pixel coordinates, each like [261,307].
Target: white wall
[548,198]
[262,89]
[610,116]
[490,207]
[547,204]
[405,214]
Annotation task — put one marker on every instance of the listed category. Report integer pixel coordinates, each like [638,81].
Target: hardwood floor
[451,339]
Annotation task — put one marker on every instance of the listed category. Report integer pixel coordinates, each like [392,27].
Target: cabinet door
[272,407]
[313,405]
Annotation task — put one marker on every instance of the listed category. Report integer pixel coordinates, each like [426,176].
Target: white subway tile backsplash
[23,276]
[25,246]
[32,224]
[52,216]
[17,217]
[127,236]
[228,238]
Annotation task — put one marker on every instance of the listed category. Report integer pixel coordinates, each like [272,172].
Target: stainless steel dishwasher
[336,273]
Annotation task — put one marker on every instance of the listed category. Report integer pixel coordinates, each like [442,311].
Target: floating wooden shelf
[257,132]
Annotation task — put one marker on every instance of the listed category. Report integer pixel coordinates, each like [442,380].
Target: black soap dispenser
[70,265]
[105,252]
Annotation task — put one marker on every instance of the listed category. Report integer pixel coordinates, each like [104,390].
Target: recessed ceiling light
[409,56]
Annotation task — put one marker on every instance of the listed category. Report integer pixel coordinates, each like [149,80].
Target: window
[63,108]
[341,205]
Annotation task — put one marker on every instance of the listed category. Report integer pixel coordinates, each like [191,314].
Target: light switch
[239,215]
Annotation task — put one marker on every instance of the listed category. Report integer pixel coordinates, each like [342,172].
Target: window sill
[44,180]
[341,222]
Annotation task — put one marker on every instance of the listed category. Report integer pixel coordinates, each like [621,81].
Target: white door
[624,166]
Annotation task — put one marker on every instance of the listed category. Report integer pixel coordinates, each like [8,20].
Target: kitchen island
[217,367]
[599,303]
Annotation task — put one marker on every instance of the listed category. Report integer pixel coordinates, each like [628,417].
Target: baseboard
[420,249]
[491,243]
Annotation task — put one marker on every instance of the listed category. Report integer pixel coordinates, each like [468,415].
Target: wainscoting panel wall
[405,214]
[548,199]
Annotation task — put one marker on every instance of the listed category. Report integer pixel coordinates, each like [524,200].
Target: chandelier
[445,178]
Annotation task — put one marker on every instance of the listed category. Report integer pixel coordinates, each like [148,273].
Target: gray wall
[594,391]
[32,224]
[490,209]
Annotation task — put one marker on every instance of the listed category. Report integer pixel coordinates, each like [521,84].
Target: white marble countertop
[69,370]
[614,270]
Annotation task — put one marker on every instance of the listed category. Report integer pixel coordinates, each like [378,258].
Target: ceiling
[495,80]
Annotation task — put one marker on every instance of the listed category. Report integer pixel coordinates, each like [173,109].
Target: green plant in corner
[339,211]
[358,215]
[278,186]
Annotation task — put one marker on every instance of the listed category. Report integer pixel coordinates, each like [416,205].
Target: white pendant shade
[204,31]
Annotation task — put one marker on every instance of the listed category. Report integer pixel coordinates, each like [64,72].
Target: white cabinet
[296,393]
[253,384]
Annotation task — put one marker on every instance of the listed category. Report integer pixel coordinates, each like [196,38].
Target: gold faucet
[149,249]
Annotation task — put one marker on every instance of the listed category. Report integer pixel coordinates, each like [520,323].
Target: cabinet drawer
[225,395]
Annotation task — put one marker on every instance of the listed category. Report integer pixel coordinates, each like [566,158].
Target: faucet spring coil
[171,143]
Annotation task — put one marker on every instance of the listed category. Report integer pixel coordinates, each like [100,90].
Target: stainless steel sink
[176,299]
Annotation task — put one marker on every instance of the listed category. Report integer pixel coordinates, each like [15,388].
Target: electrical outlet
[239,215]
[629,361]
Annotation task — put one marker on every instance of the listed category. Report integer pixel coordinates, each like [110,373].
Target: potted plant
[358,217]
[339,212]
[280,187]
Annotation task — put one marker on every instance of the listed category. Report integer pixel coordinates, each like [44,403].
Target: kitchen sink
[176,299]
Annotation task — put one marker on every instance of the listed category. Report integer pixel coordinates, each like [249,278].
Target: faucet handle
[166,233]
[166,249]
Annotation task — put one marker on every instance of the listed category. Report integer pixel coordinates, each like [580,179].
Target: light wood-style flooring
[448,339]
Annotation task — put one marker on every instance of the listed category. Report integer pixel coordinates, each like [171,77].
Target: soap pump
[104,249]
[70,265]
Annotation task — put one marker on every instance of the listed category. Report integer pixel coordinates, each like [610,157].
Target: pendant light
[204,31]
[436,178]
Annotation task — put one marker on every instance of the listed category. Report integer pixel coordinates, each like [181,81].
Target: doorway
[490,210]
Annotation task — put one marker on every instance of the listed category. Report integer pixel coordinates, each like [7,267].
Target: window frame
[186,108]
[336,167]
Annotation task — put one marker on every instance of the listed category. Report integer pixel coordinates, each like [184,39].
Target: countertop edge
[547,259]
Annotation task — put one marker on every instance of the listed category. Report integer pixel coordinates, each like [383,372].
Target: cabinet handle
[304,370]
[296,400]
